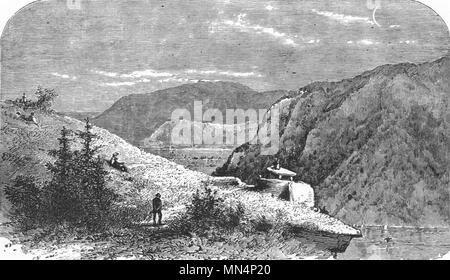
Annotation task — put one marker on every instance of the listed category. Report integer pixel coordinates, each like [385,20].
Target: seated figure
[29,119]
[115,163]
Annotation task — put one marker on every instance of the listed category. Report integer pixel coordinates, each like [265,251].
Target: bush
[25,197]
[261,224]
[45,99]
[209,213]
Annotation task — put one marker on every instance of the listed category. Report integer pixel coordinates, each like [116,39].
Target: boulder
[301,193]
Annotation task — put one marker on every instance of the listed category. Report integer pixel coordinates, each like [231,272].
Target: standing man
[24,99]
[276,164]
[157,209]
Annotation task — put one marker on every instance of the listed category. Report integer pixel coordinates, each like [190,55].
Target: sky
[94,52]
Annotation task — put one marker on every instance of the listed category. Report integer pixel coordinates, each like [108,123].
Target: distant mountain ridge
[376,147]
[162,137]
[137,116]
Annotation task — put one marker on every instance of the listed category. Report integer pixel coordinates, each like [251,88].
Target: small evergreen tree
[63,199]
[76,195]
[97,198]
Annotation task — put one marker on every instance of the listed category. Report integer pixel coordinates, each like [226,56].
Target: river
[406,243]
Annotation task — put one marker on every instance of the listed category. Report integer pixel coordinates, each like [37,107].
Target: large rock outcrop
[376,147]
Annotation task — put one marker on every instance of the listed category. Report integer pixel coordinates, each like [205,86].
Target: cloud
[177,80]
[363,42]
[244,26]
[314,41]
[270,7]
[104,73]
[408,42]
[224,73]
[134,75]
[64,76]
[366,42]
[147,73]
[344,19]
[117,84]
[177,76]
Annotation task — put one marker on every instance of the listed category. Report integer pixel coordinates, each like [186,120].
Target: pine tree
[77,193]
[97,198]
[88,150]
[61,192]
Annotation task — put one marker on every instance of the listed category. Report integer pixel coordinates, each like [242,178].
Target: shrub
[208,212]
[25,197]
[45,99]
[262,224]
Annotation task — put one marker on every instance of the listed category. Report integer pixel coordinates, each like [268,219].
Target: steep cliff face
[137,117]
[376,148]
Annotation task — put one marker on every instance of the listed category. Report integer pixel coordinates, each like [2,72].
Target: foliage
[44,100]
[208,213]
[262,224]
[75,196]
[25,196]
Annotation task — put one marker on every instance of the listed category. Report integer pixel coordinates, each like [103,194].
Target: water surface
[405,243]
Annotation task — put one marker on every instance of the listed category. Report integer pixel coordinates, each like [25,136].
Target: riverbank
[161,244]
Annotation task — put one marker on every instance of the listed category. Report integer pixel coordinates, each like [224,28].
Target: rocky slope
[376,147]
[24,150]
[138,116]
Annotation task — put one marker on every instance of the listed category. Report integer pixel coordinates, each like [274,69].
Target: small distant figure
[335,255]
[115,163]
[24,99]
[388,239]
[29,119]
[276,164]
[324,210]
[157,209]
